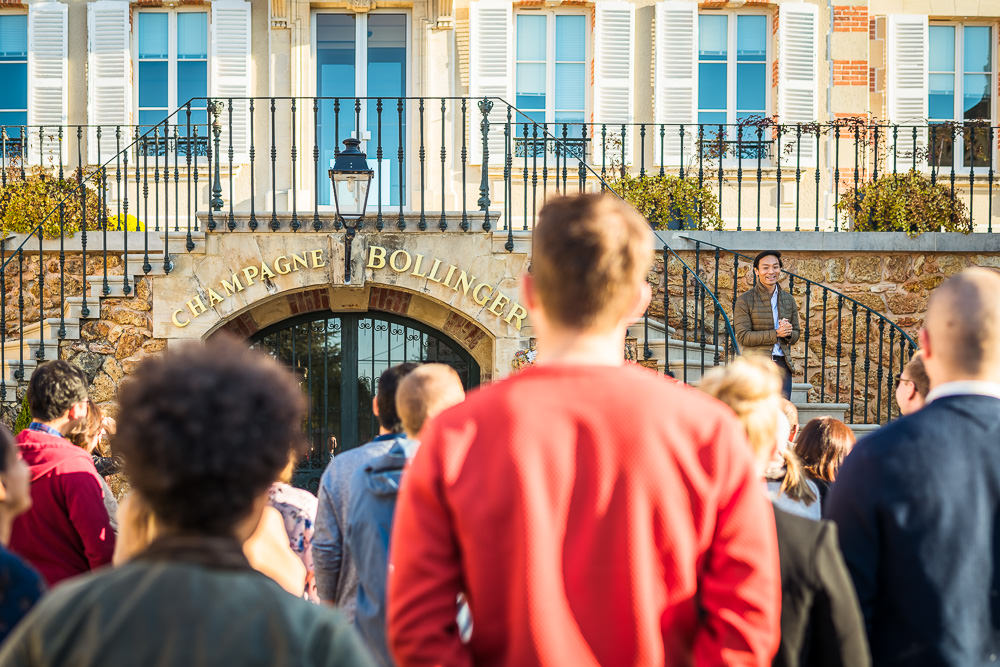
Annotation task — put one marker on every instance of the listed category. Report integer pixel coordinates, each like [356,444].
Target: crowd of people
[584,511]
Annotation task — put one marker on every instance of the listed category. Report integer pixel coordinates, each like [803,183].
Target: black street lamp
[351,178]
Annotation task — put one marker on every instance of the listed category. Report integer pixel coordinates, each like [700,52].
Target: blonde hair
[751,387]
[590,254]
[426,391]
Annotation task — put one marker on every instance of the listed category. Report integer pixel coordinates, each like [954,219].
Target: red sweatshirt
[67,530]
[593,516]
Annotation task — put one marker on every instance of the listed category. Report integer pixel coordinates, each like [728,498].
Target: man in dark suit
[917,503]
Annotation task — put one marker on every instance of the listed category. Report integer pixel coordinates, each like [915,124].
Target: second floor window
[732,69]
[13,73]
[172,50]
[960,94]
[550,78]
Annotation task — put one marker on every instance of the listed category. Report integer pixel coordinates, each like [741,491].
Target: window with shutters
[733,76]
[14,74]
[172,67]
[960,93]
[550,82]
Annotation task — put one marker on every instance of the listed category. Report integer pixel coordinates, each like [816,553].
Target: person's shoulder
[15,572]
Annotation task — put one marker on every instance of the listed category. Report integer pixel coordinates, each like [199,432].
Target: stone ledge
[835,241]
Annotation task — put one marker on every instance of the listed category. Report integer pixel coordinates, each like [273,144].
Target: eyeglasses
[900,379]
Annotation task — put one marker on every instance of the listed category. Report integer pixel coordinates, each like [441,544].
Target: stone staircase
[682,356]
[20,355]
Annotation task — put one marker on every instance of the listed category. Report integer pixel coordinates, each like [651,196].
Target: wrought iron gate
[338,359]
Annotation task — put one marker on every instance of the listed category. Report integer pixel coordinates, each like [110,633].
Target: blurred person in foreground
[297,508]
[917,502]
[87,434]
[593,512]
[204,430]
[788,485]
[20,584]
[822,447]
[334,563]
[423,393]
[912,385]
[68,530]
[792,415]
[820,620]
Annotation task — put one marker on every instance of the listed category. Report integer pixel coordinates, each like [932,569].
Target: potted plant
[669,202]
[906,202]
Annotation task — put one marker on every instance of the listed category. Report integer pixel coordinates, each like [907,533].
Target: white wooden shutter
[907,62]
[614,32]
[491,51]
[230,68]
[676,78]
[46,79]
[109,89]
[798,82]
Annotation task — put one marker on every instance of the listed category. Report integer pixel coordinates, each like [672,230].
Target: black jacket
[917,505]
[820,620]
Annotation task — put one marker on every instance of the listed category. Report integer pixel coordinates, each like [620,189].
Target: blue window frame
[172,67]
[550,83]
[13,74]
[961,81]
[732,71]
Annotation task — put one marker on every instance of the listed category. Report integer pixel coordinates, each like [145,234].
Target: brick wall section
[850,18]
[309,301]
[463,330]
[389,301]
[850,72]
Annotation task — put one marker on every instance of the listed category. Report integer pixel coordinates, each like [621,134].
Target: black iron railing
[850,352]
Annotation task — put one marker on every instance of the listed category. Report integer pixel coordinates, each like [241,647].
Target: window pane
[530,86]
[941,100]
[150,117]
[751,38]
[976,96]
[152,35]
[942,146]
[14,91]
[942,48]
[712,37]
[569,86]
[571,35]
[13,36]
[751,86]
[153,84]
[335,77]
[977,48]
[711,85]
[11,119]
[976,146]
[192,81]
[192,35]
[711,120]
[530,37]
[386,55]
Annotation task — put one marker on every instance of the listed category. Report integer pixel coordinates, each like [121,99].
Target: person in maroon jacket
[67,531]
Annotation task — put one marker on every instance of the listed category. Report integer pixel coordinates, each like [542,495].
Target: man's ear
[924,340]
[642,300]
[375,406]
[528,295]
[3,491]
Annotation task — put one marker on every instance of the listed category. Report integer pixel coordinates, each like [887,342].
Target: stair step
[809,411]
[74,307]
[861,430]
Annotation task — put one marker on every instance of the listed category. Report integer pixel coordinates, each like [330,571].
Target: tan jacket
[753,322]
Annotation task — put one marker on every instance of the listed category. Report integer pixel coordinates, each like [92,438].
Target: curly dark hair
[54,388]
[205,429]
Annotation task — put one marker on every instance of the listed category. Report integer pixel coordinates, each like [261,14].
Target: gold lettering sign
[242,279]
[482,293]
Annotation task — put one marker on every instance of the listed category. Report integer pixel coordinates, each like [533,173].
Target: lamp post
[351,177]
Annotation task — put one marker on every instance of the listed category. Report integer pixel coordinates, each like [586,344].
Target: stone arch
[470,335]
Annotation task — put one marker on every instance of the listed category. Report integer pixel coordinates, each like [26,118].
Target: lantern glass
[350,191]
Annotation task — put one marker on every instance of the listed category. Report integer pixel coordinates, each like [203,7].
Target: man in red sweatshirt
[592,512]
[67,531]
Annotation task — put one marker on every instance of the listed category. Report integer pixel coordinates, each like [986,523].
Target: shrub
[132,224]
[669,202]
[24,203]
[23,417]
[905,203]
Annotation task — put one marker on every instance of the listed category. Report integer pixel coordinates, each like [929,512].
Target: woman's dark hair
[205,429]
[54,388]
[385,396]
[7,446]
[822,445]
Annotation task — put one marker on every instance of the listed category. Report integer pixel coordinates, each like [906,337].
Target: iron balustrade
[841,339]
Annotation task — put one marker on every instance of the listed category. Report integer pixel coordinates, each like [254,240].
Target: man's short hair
[54,388]
[767,253]
[385,395]
[205,429]
[425,392]
[915,371]
[590,253]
